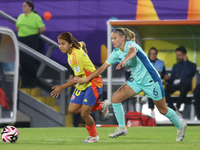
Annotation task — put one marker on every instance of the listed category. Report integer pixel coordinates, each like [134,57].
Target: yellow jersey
[82,65]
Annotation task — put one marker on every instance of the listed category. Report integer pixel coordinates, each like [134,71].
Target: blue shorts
[89,96]
[153,90]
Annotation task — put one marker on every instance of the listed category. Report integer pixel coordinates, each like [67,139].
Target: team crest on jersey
[73,97]
[130,45]
[131,79]
[77,69]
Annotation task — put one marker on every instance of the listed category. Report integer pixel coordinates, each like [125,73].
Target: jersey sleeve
[112,59]
[130,44]
[39,21]
[80,44]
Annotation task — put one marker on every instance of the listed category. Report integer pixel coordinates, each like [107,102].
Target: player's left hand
[86,51]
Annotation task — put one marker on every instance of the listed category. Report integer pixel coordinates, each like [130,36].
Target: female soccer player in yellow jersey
[144,77]
[85,97]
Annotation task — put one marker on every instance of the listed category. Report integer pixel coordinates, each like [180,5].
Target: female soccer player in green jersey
[144,77]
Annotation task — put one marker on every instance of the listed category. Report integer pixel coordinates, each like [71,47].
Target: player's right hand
[79,80]
[120,65]
[56,91]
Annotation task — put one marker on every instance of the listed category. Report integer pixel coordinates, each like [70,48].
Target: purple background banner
[86,19]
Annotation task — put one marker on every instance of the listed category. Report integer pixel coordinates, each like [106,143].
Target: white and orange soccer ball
[9,134]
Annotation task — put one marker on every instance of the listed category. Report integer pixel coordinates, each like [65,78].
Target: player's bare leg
[75,108]
[172,116]
[124,92]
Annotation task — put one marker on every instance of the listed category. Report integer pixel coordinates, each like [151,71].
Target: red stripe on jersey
[97,80]
[74,59]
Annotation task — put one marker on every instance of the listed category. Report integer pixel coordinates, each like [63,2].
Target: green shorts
[153,90]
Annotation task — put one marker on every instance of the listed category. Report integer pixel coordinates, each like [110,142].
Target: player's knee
[84,115]
[113,100]
[162,111]
[73,111]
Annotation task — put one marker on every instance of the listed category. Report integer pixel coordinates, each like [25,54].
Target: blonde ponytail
[130,34]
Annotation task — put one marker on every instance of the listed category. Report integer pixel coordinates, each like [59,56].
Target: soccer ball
[9,134]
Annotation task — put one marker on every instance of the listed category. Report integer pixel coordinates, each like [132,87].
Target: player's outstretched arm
[132,53]
[97,72]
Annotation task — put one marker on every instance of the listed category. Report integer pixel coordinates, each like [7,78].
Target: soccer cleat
[118,132]
[91,139]
[181,132]
[105,109]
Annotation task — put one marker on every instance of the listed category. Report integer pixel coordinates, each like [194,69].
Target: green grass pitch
[138,138]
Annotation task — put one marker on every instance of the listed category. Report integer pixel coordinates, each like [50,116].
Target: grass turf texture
[138,138]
